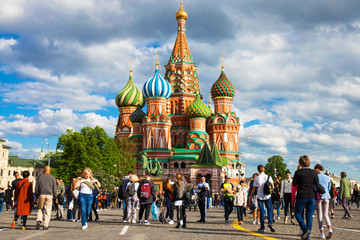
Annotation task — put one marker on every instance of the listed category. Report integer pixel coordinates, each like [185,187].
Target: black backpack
[268,187]
[130,191]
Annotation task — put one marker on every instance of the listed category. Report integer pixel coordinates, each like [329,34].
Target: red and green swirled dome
[223,87]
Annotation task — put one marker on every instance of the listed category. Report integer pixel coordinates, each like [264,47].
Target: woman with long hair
[86,185]
[169,196]
[179,191]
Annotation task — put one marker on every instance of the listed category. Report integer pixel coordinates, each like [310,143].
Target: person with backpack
[179,202]
[322,202]
[203,194]
[122,193]
[227,190]
[146,194]
[305,179]
[132,198]
[264,184]
[275,200]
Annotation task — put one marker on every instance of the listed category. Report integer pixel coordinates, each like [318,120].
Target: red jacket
[24,197]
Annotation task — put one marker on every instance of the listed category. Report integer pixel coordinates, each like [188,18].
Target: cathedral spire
[181,52]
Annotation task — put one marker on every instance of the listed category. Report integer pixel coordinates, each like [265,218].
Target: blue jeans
[309,204]
[265,204]
[85,204]
[277,206]
[229,207]
[1,204]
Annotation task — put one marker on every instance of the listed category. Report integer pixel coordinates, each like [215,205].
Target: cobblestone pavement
[110,227]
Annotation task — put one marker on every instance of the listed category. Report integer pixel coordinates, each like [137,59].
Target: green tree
[93,148]
[277,162]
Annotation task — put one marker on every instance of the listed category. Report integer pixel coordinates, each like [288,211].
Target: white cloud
[49,123]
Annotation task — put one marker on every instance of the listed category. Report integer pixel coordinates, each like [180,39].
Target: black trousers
[181,214]
[287,200]
[147,208]
[24,219]
[240,212]
[202,207]
[93,209]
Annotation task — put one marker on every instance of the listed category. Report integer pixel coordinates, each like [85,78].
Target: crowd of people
[300,195]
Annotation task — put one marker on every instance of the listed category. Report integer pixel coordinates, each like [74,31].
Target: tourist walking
[75,193]
[345,194]
[59,201]
[253,203]
[285,196]
[13,187]
[45,192]
[146,194]
[332,196]
[8,198]
[132,198]
[322,202]
[168,197]
[86,185]
[96,192]
[202,190]
[275,199]
[122,193]
[2,198]
[240,201]
[263,197]
[24,199]
[227,190]
[356,193]
[305,179]
[179,191]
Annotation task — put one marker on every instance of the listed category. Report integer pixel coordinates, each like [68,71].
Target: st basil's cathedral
[178,129]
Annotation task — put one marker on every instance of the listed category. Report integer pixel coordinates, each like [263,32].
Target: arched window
[180,136]
[176,165]
[165,166]
[183,165]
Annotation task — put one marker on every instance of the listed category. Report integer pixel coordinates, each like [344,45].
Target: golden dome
[181,13]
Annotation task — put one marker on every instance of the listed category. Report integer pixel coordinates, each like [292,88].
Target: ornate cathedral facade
[178,128]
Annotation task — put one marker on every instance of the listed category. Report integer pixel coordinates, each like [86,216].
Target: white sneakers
[171,222]
[322,235]
[133,221]
[286,219]
[254,222]
[84,227]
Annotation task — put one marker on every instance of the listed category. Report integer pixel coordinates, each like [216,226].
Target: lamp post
[239,164]
[47,143]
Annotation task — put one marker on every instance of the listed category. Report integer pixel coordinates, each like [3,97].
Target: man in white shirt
[263,200]
[203,193]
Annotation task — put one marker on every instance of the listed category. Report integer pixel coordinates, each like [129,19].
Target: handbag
[76,193]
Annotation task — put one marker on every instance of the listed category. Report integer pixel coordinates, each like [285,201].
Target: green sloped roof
[216,155]
[15,161]
[7,147]
[187,156]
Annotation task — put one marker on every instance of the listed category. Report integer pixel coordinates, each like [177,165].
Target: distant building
[11,164]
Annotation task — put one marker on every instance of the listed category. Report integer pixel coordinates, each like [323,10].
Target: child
[240,201]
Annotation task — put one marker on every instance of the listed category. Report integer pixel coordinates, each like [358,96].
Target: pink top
[293,193]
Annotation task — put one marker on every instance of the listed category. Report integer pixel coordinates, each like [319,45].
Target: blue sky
[294,66]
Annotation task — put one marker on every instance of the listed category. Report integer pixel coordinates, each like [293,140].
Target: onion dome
[198,109]
[130,95]
[157,86]
[181,13]
[138,115]
[223,87]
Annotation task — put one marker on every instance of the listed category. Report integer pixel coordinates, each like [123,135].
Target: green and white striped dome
[130,95]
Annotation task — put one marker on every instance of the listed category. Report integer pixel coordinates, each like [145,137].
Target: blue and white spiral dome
[157,86]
